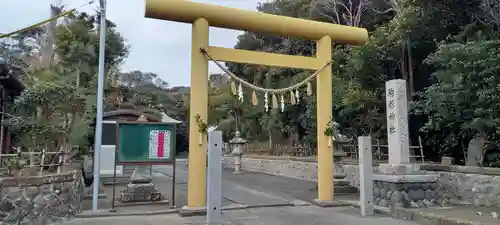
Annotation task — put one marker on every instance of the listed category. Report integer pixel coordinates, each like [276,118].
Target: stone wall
[40,200]
[290,168]
[466,185]
[456,184]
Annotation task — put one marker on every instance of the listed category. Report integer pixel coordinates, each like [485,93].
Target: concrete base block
[344,190]
[424,178]
[88,196]
[127,204]
[187,211]
[300,203]
[328,204]
[399,169]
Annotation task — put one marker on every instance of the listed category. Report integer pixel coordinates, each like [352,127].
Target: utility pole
[100,90]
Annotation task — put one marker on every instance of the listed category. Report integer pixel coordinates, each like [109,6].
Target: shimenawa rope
[279,90]
[63,14]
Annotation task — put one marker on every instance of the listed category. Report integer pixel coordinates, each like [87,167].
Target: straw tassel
[240,93]
[254,99]
[297,96]
[275,101]
[282,103]
[292,98]
[233,88]
[266,102]
[309,89]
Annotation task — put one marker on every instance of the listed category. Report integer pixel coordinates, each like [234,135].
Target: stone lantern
[341,184]
[237,143]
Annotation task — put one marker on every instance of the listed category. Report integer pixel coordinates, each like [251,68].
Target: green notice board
[145,143]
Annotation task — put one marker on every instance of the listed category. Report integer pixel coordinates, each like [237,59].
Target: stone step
[119,180]
[344,190]
[148,203]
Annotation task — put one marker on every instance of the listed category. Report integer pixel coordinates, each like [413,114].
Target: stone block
[399,169]
[346,189]
[428,178]
[328,204]
[187,211]
[341,182]
[140,197]
[141,175]
[141,188]
[426,218]
[447,161]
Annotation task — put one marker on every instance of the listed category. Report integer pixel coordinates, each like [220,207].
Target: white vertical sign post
[365,175]
[214,178]
[397,122]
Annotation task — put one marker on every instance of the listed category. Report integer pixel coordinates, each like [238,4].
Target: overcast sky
[156,46]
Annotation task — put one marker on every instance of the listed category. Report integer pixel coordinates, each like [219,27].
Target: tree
[461,105]
[55,110]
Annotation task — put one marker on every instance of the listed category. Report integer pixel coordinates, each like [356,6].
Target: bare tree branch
[491,9]
[386,11]
[338,12]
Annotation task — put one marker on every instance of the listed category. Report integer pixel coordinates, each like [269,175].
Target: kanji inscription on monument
[397,122]
[159,144]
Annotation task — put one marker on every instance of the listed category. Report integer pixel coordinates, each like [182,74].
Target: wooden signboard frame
[119,159]
[170,160]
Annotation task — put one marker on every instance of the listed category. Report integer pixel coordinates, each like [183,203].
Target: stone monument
[397,122]
[140,188]
[400,183]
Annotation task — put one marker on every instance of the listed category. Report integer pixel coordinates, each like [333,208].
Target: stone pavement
[250,189]
[263,190]
[298,215]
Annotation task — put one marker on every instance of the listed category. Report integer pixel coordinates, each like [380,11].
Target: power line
[43,22]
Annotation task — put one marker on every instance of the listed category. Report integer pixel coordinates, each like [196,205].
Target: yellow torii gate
[204,15]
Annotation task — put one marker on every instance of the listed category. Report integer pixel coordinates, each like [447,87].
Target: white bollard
[365,175]
[214,178]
